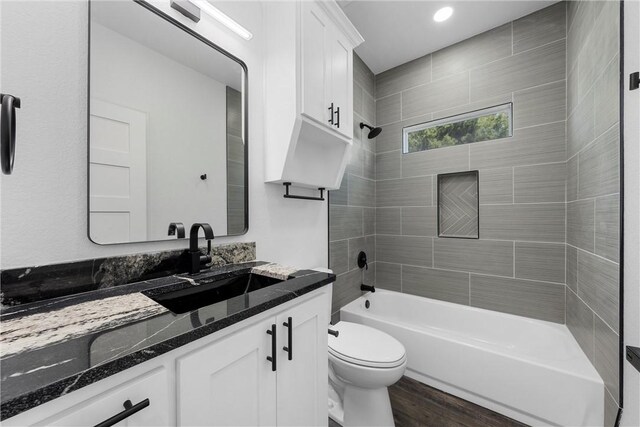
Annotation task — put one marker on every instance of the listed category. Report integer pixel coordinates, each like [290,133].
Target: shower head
[373,132]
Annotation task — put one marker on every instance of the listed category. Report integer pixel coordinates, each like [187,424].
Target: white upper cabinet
[340,88]
[309,92]
[315,78]
[327,71]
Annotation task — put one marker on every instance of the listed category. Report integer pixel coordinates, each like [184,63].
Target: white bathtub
[530,370]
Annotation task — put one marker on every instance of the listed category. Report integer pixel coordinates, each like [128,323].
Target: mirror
[167,128]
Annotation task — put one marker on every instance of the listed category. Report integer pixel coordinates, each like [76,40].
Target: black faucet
[176,228]
[367,288]
[195,256]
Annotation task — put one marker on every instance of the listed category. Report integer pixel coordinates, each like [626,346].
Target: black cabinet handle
[129,409]
[334,333]
[338,119]
[272,358]
[289,347]
[331,115]
[8,132]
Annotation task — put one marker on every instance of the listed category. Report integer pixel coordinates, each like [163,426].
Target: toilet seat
[365,346]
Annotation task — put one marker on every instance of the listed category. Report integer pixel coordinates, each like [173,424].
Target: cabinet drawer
[153,385]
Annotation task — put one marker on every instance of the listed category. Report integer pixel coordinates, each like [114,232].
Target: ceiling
[398,31]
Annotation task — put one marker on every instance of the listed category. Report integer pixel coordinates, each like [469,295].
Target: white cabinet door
[302,381]
[315,76]
[341,87]
[229,382]
[153,386]
[327,79]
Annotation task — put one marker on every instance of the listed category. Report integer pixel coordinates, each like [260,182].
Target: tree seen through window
[482,127]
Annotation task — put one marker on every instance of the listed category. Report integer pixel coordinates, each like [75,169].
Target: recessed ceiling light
[443,14]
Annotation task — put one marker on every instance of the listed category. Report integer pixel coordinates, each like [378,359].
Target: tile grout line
[513,185]
[514,259]
[595,314]
[431,65]
[594,223]
[594,254]
[512,40]
[546,282]
[529,127]
[588,90]
[433,252]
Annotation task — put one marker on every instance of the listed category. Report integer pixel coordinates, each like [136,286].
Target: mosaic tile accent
[458,205]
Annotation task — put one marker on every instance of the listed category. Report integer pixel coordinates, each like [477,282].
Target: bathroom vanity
[217,356]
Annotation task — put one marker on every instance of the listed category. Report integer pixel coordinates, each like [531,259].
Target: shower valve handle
[362,260]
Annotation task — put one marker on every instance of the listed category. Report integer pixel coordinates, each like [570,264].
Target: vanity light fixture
[221,17]
[443,14]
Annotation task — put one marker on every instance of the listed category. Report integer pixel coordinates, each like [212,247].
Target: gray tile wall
[235,164]
[352,208]
[549,196]
[518,264]
[593,187]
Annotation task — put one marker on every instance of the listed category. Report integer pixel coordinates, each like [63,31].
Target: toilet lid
[366,346]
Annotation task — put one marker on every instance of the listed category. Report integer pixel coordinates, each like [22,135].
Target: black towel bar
[291,196]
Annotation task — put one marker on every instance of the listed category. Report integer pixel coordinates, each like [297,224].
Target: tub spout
[367,288]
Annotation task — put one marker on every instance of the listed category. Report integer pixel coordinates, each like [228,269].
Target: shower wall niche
[458,205]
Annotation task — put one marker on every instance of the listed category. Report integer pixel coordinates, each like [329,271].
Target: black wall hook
[8,131]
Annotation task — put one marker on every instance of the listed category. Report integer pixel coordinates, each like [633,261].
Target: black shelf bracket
[291,196]
[633,356]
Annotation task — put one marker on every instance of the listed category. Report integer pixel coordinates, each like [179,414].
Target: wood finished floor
[415,404]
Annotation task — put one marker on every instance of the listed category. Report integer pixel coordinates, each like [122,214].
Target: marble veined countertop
[53,347]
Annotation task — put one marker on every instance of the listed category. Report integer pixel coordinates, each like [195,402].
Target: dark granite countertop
[53,347]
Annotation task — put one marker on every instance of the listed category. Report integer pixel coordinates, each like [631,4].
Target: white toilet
[363,362]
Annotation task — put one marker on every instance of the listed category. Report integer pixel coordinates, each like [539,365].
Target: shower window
[475,126]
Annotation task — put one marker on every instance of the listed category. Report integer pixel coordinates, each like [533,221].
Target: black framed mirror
[167,128]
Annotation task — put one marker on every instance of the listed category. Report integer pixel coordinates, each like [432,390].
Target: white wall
[631,411]
[186,128]
[44,203]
